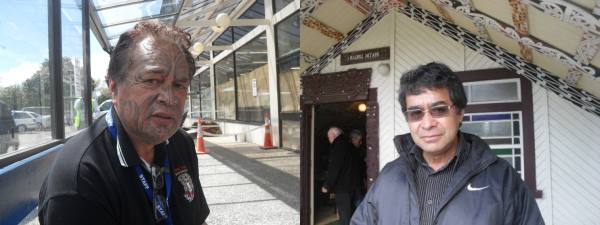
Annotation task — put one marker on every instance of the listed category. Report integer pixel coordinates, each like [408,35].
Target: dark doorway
[322,93]
[346,116]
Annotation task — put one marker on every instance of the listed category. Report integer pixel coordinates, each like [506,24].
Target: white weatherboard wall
[567,160]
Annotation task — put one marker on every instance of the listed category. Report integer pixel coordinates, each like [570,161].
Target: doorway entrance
[348,117]
[332,100]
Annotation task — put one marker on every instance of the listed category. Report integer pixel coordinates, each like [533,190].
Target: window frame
[526,108]
[55,56]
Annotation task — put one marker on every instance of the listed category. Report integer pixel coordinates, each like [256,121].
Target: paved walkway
[247,185]
[244,184]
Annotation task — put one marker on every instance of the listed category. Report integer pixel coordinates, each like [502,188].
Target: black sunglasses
[438,111]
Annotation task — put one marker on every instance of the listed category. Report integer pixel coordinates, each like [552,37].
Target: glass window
[24,74]
[288,71]
[290,134]
[206,100]
[493,92]
[194,98]
[252,80]
[130,12]
[499,131]
[101,102]
[280,4]
[73,75]
[288,63]
[225,39]
[256,11]
[225,86]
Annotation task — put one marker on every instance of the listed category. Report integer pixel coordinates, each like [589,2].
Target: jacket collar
[478,150]
[125,151]
[416,153]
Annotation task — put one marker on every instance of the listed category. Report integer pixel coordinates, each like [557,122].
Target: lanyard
[149,194]
[161,208]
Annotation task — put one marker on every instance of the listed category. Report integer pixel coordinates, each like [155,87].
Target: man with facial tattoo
[133,165]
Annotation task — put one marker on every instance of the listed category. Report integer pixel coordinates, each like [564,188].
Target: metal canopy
[110,18]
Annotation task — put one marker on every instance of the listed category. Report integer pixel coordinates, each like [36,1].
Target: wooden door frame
[346,86]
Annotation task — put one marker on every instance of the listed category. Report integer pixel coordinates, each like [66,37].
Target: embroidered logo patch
[185,180]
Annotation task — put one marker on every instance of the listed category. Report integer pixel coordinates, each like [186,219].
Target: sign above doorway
[363,56]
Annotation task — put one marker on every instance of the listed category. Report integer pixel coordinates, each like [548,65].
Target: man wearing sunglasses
[444,176]
[134,165]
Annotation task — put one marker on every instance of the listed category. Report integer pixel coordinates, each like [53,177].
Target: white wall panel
[575,164]
[542,151]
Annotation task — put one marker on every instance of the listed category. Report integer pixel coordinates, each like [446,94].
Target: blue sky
[24,39]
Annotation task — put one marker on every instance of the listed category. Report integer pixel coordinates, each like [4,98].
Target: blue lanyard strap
[161,208]
[164,213]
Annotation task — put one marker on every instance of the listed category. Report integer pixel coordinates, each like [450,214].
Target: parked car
[25,120]
[102,109]
[8,138]
[44,112]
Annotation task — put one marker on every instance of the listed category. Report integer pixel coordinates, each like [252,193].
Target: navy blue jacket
[484,190]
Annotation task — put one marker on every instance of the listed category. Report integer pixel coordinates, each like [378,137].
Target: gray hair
[336,130]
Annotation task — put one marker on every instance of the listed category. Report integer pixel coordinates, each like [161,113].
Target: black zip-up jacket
[94,183]
[485,190]
[343,173]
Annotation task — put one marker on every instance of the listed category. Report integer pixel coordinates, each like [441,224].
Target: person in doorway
[133,166]
[342,173]
[356,139]
[444,176]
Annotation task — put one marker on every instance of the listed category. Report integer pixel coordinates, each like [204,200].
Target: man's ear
[112,87]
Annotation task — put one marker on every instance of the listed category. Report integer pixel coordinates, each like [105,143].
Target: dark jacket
[92,182]
[344,164]
[484,190]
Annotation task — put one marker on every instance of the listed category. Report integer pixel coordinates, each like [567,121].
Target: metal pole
[87,73]
[55,63]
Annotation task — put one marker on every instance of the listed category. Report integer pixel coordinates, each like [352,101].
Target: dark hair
[120,57]
[355,134]
[432,76]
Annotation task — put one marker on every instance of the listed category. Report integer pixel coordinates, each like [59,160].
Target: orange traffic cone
[268,141]
[200,149]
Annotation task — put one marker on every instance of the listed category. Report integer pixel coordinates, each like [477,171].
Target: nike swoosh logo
[471,188]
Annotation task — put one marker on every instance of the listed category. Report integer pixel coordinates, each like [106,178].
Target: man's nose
[428,121]
[166,95]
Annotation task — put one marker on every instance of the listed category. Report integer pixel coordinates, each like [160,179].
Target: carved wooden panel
[305,163]
[372,139]
[351,85]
